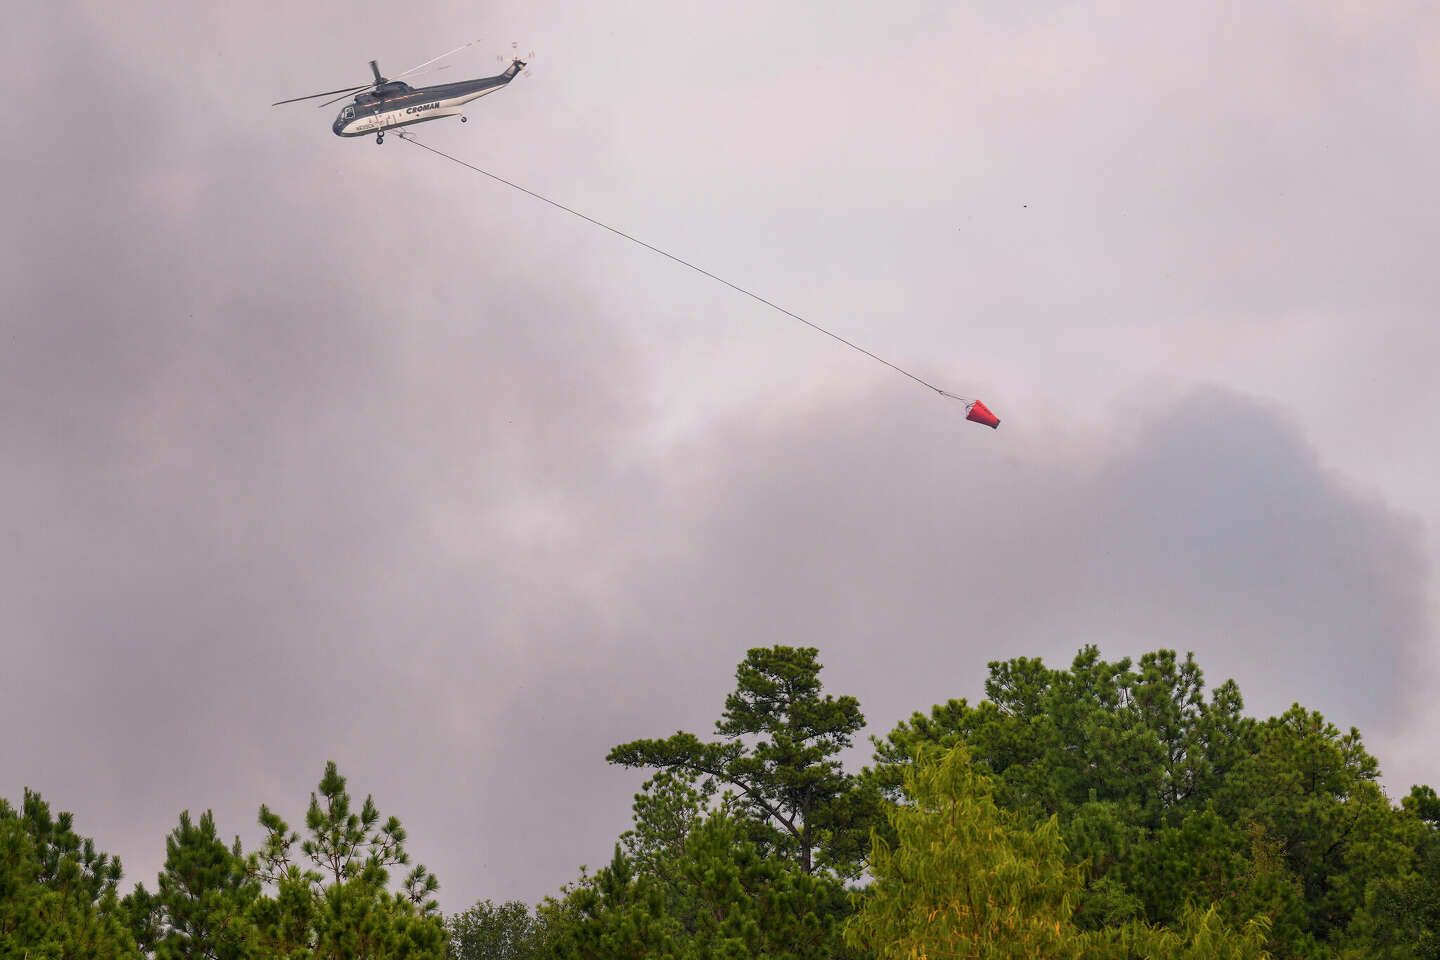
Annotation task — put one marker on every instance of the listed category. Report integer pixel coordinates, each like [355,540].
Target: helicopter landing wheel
[464,119]
[379,138]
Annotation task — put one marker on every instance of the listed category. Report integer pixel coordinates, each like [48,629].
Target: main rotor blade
[344,95]
[468,43]
[325,94]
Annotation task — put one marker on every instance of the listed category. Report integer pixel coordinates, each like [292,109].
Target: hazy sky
[312,449]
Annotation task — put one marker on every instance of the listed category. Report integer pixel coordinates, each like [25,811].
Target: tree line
[1102,810]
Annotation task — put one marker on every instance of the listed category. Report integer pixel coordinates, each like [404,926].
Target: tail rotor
[516,56]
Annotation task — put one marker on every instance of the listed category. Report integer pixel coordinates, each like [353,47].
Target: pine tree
[332,898]
[780,739]
[202,900]
[723,899]
[57,891]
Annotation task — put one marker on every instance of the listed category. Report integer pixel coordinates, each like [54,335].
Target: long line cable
[410,138]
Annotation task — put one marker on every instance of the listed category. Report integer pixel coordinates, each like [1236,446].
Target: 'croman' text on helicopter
[386,104]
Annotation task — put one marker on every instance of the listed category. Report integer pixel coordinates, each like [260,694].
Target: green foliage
[1400,918]
[202,899]
[780,739]
[1173,798]
[612,914]
[966,877]
[57,892]
[723,899]
[66,860]
[1423,804]
[341,844]
[667,810]
[1199,935]
[338,903]
[1106,811]
[1315,793]
[489,932]
[1128,759]
[1144,740]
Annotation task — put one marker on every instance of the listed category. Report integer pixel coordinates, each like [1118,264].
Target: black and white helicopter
[386,104]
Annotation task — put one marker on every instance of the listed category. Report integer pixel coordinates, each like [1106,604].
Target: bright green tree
[331,891]
[965,877]
[1200,934]
[780,739]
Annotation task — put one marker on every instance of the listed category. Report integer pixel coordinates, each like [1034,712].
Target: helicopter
[387,104]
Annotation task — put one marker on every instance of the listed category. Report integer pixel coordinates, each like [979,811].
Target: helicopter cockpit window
[348,113]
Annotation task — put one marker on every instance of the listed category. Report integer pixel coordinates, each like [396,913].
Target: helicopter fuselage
[397,104]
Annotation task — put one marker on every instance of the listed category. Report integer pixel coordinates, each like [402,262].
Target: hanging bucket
[979,413]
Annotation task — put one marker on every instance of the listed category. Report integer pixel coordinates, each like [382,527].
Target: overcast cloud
[315,450]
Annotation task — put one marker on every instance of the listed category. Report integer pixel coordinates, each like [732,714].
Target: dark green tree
[725,899]
[1401,916]
[780,738]
[200,908]
[331,896]
[615,913]
[667,810]
[1143,739]
[1417,909]
[67,859]
[57,891]
[1315,791]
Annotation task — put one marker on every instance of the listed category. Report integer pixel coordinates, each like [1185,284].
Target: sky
[321,450]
